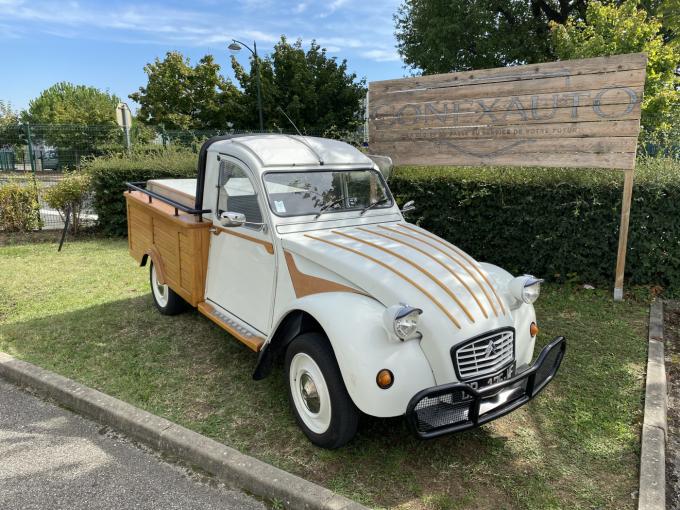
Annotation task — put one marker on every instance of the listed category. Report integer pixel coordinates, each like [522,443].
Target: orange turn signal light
[385,379]
[533,329]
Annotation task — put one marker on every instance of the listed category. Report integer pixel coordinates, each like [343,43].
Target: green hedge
[19,207]
[110,173]
[561,224]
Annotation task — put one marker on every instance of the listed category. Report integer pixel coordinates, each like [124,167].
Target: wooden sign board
[576,113]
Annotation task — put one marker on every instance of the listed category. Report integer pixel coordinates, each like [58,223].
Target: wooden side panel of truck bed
[178,245]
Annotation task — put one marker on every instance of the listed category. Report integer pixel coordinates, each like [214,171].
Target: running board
[239,331]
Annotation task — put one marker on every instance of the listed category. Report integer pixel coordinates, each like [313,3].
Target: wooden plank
[595,65]
[540,103]
[563,160]
[489,148]
[605,113]
[567,129]
[623,235]
[599,82]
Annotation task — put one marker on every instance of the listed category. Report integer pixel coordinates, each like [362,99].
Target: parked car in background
[296,247]
[49,160]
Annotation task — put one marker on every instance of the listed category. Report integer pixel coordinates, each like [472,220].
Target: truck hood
[402,263]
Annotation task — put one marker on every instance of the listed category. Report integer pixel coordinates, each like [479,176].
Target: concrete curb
[654,427]
[227,464]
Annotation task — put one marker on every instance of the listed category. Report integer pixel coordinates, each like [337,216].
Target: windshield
[325,191]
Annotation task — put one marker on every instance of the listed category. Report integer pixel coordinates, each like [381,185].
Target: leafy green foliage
[179,96]
[440,36]
[315,90]
[66,103]
[556,223]
[68,197]
[669,12]
[110,173]
[77,107]
[19,207]
[8,116]
[613,29]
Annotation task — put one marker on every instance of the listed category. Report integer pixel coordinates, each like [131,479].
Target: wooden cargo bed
[176,242]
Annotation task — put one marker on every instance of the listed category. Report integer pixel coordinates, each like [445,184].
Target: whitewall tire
[322,407]
[166,300]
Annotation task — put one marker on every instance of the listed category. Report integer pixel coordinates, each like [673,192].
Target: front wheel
[166,300]
[323,409]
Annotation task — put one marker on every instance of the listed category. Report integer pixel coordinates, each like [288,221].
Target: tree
[66,103]
[612,29]
[179,96]
[669,12]
[8,116]
[316,91]
[78,120]
[440,36]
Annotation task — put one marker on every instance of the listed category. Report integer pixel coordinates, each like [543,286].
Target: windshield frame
[381,177]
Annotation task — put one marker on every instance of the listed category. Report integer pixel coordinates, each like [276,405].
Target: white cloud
[350,28]
[381,55]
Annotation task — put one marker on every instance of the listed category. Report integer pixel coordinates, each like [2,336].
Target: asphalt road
[52,458]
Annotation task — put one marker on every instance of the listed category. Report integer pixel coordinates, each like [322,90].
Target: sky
[106,44]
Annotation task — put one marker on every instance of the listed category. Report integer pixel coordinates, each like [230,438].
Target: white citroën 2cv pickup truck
[296,247]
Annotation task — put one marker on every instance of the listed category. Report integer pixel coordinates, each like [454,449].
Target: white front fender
[353,324]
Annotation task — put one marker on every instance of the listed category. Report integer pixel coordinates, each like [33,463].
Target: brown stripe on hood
[412,264]
[386,266]
[459,252]
[451,257]
[435,259]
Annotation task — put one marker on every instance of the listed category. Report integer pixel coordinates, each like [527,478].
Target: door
[242,264]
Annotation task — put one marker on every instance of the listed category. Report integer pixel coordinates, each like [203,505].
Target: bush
[19,207]
[109,175]
[561,224]
[68,196]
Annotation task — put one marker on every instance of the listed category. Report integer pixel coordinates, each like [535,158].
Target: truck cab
[297,248]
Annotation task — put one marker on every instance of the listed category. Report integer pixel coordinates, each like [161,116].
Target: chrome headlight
[525,289]
[402,321]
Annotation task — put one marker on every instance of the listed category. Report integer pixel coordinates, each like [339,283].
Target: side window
[236,193]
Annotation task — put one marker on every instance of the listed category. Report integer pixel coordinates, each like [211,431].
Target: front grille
[484,355]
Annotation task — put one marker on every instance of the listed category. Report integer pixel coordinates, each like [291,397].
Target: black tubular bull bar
[456,407]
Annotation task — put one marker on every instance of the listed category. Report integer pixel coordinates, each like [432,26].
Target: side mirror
[384,164]
[408,206]
[232,219]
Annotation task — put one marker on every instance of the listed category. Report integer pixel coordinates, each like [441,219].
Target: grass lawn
[87,314]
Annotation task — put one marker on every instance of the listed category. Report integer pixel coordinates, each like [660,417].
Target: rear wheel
[166,300]
[322,407]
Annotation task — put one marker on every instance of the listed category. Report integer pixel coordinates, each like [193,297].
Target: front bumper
[456,407]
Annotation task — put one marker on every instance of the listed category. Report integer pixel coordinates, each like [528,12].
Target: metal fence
[38,155]
[54,148]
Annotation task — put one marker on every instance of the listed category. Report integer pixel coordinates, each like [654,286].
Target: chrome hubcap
[310,395]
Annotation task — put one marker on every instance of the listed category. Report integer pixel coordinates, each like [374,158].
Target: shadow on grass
[573,447]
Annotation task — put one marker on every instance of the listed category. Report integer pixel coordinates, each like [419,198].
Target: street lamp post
[236,46]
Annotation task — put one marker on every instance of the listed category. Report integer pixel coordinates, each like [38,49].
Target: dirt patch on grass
[671,334]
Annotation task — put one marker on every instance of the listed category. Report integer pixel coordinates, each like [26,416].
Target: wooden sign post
[575,113]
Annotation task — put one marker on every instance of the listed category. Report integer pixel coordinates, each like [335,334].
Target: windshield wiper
[328,206]
[374,204]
